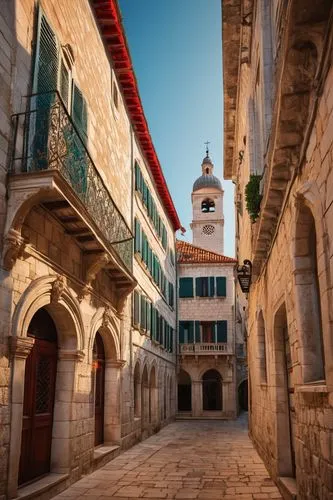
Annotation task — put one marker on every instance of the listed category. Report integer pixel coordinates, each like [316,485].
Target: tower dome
[207,179]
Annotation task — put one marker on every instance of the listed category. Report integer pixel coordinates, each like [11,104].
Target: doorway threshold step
[105,453]
[51,483]
[287,487]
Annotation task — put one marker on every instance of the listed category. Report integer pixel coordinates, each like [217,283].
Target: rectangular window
[185,287]
[197,332]
[208,332]
[221,286]
[186,332]
[205,287]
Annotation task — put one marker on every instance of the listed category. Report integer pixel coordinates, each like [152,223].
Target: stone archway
[105,325]
[184,391]
[211,391]
[49,293]
[153,396]
[137,391]
[144,399]
[243,396]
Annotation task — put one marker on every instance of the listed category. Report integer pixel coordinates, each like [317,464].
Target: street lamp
[244,274]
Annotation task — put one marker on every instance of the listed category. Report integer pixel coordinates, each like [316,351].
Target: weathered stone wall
[301,417]
[211,309]
[52,269]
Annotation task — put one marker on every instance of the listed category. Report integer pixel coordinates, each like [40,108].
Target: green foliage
[253,196]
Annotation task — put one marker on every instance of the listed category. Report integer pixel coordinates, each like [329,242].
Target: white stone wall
[211,309]
[51,254]
[214,241]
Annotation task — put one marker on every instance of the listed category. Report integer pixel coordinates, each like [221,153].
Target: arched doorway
[99,365]
[39,390]
[243,395]
[184,391]
[144,398]
[137,391]
[153,395]
[212,391]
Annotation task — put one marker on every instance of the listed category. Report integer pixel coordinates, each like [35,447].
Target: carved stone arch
[52,294]
[65,311]
[104,322]
[310,266]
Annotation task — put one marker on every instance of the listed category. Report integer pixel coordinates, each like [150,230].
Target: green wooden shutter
[47,61]
[185,287]
[221,286]
[136,309]
[198,287]
[148,322]
[79,113]
[153,322]
[190,332]
[137,176]
[211,286]
[181,332]
[64,83]
[137,246]
[197,332]
[222,333]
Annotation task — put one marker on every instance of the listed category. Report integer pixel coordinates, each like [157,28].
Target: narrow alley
[187,459]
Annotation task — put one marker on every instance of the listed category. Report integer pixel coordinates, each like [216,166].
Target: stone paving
[185,460]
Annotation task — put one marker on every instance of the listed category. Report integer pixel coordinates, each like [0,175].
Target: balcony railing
[205,348]
[45,138]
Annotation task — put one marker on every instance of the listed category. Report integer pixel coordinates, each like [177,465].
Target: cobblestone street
[198,459]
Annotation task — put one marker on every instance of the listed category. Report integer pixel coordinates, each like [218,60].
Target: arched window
[208,205]
[308,297]
[262,348]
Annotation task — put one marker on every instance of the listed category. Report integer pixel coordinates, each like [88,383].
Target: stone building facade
[83,371]
[207,361]
[278,144]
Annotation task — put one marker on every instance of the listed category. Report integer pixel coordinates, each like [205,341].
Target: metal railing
[45,138]
[204,348]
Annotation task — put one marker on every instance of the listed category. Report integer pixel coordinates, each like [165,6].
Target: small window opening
[208,206]
[207,170]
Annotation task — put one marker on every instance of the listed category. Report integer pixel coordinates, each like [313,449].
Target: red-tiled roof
[109,20]
[191,254]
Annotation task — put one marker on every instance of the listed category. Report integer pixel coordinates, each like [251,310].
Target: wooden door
[39,389]
[99,362]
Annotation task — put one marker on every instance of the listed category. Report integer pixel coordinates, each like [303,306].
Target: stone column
[20,348]
[112,401]
[196,398]
[63,419]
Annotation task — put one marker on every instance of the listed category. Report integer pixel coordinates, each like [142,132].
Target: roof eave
[108,17]
[231,41]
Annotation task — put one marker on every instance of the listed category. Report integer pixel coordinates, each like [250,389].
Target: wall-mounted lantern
[244,275]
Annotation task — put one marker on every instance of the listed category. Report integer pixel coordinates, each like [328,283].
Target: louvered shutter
[181,332]
[185,287]
[221,331]
[137,176]
[64,83]
[221,286]
[190,335]
[171,339]
[148,322]
[79,113]
[137,247]
[143,313]
[136,309]
[197,332]
[44,84]
[198,287]
[153,322]
[211,286]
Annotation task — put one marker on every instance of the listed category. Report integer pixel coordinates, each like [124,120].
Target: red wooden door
[39,389]
[99,362]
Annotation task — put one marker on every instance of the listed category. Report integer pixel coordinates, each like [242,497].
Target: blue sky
[176,51]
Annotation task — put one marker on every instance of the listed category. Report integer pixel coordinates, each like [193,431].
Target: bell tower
[207,209]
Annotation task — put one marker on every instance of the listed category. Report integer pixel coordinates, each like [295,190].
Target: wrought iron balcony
[204,348]
[47,141]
